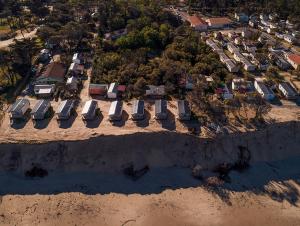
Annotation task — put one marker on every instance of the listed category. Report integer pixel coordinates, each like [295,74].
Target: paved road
[6,43]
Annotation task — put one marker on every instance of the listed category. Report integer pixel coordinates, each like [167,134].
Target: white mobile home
[263,90]
[112,92]
[89,110]
[184,111]
[287,90]
[161,109]
[65,109]
[138,110]
[19,108]
[40,109]
[115,111]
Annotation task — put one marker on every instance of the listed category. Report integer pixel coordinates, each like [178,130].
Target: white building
[263,90]
[112,92]
[287,90]
[227,95]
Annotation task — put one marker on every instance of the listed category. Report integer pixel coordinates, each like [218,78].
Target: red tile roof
[295,58]
[219,20]
[196,21]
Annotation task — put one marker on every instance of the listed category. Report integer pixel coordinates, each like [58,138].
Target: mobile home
[89,110]
[263,90]
[65,109]
[138,110]
[287,90]
[112,92]
[184,111]
[19,108]
[115,110]
[161,109]
[40,109]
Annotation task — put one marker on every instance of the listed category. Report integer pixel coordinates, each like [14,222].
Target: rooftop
[295,58]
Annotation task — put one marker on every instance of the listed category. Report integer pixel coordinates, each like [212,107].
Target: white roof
[112,88]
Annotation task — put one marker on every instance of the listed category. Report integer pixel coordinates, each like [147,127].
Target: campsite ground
[271,199]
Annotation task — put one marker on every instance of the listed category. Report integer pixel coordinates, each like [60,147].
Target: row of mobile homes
[184,111]
[89,110]
[115,110]
[19,108]
[138,110]
[287,90]
[263,90]
[65,109]
[161,109]
[40,110]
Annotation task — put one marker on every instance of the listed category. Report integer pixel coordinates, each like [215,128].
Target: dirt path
[6,43]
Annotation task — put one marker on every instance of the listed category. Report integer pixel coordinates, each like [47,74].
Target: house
[238,56]
[72,83]
[112,92]
[227,95]
[161,109]
[282,63]
[40,109]
[287,90]
[219,22]
[197,23]
[65,109]
[54,73]
[19,108]
[232,48]
[98,89]
[115,111]
[138,110]
[223,57]
[155,91]
[44,91]
[241,17]
[89,110]
[263,90]
[294,60]
[184,111]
